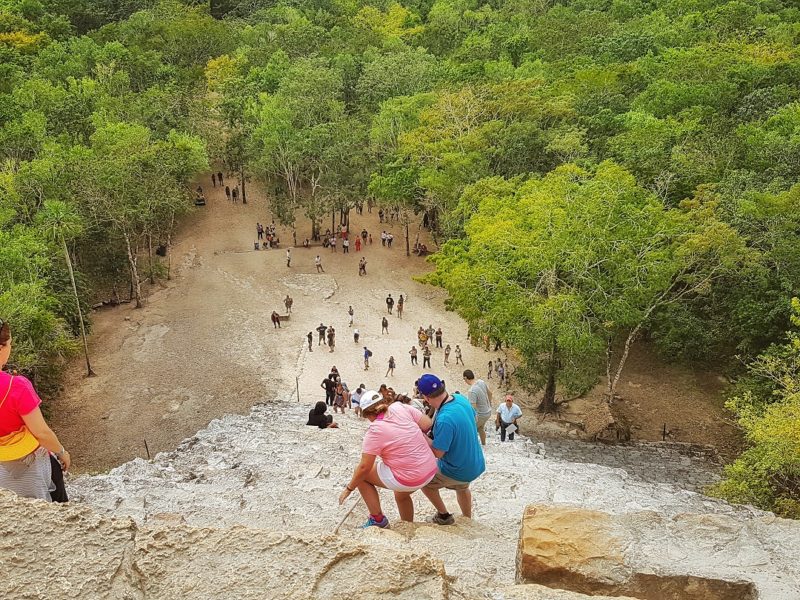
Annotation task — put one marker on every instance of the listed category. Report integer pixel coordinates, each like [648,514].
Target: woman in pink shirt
[26,442]
[406,464]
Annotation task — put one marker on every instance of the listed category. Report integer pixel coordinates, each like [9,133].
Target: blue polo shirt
[455,433]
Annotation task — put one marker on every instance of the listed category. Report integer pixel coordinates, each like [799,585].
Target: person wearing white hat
[407,464]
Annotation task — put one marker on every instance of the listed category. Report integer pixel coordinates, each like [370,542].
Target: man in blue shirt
[455,443]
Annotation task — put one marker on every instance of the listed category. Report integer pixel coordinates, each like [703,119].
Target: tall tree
[62,223]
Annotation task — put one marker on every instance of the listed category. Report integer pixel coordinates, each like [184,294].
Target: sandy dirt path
[204,344]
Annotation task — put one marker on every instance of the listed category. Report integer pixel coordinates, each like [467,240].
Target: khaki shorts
[482,421]
[440,481]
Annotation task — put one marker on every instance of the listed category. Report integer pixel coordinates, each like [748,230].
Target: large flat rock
[652,556]
[49,551]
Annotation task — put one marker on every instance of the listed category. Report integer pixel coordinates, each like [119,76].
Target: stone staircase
[269,471]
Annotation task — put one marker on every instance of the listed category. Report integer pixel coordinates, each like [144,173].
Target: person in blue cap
[455,444]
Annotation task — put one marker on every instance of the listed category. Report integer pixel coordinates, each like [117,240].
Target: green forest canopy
[595,169]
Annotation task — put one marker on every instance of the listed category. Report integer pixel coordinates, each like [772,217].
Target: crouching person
[395,455]
[456,446]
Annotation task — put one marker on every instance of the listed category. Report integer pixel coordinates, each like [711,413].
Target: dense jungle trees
[593,169]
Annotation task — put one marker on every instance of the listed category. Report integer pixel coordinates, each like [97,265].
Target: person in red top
[31,457]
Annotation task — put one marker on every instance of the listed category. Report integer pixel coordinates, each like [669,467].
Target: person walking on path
[389,303]
[331,338]
[400,302]
[390,370]
[287,302]
[235,194]
[32,459]
[385,326]
[310,338]
[276,320]
[227,192]
[333,243]
[413,353]
[321,330]
[422,337]
[288,257]
[214,179]
[367,355]
[350,313]
[480,397]
[455,445]
[458,355]
[447,354]
[329,385]
[318,264]
[219,178]
[426,357]
[491,368]
[507,414]
[358,244]
[430,331]
[439,337]
[364,236]
[396,437]
[362,266]
[501,372]
[355,335]
[345,246]
[260,231]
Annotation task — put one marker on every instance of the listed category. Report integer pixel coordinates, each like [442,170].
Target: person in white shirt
[355,399]
[507,415]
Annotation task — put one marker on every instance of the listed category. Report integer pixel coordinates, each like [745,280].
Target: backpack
[369,353]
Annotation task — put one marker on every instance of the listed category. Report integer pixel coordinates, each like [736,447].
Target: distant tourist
[318,264]
[310,338]
[389,303]
[390,370]
[458,355]
[507,414]
[395,436]
[288,302]
[321,330]
[276,320]
[480,397]
[413,353]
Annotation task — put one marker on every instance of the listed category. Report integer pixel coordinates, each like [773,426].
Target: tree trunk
[548,404]
[333,222]
[132,264]
[150,258]
[89,371]
[612,384]
[408,245]
[244,189]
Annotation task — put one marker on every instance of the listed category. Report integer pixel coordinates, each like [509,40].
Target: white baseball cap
[369,398]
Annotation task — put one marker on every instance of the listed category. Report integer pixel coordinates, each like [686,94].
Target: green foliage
[767,403]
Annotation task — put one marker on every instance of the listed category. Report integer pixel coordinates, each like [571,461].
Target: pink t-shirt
[21,400]
[399,442]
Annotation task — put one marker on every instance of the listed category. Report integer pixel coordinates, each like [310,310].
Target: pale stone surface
[653,556]
[268,470]
[538,592]
[49,551]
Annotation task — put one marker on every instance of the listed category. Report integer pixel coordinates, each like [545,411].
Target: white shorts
[387,478]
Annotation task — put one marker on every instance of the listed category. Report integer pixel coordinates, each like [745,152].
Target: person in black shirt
[318,418]
[329,385]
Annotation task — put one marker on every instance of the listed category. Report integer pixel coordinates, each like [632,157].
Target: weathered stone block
[650,556]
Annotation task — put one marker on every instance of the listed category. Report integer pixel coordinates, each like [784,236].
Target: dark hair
[402,399]
[5,332]
[468,374]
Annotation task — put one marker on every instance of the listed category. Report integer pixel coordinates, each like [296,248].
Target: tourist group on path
[426,441]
